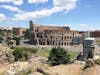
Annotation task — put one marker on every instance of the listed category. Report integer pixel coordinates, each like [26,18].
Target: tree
[27,32]
[23,52]
[19,53]
[58,56]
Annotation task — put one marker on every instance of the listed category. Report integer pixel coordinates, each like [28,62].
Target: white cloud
[66,5]
[11,8]
[37,1]
[85,27]
[18,2]
[58,5]
[15,2]
[2,17]
[34,14]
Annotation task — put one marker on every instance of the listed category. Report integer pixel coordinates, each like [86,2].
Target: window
[65,38]
[65,43]
[56,44]
[62,43]
[47,42]
[70,37]
[50,37]
[53,43]
[37,35]
[59,43]
[62,37]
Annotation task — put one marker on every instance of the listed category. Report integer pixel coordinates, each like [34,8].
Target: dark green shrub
[58,56]
[23,52]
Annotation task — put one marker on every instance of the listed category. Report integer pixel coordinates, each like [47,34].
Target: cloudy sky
[78,14]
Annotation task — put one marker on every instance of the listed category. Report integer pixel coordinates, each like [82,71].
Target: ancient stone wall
[6,55]
[88,48]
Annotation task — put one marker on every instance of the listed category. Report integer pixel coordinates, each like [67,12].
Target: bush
[23,52]
[19,53]
[31,50]
[58,56]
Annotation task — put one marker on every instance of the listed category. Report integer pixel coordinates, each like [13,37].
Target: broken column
[88,48]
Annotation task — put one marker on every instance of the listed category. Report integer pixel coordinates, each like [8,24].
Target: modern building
[95,33]
[52,35]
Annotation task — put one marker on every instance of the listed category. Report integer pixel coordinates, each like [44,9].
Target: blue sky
[78,14]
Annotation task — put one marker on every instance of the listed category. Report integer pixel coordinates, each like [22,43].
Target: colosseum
[52,35]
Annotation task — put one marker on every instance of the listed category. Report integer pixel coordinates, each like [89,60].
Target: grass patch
[43,52]
[72,54]
[46,53]
[29,71]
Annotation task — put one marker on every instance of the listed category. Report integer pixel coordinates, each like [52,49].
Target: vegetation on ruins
[43,52]
[17,39]
[10,43]
[72,54]
[28,71]
[22,53]
[58,56]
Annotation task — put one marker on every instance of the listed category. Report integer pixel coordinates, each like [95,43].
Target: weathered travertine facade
[52,35]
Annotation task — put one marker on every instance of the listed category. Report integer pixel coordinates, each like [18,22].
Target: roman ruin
[52,35]
[89,48]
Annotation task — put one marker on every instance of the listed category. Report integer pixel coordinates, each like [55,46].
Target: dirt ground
[71,69]
[92,71]
[6,67]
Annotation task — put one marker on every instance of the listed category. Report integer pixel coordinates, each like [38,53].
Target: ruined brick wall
[19,31]
[95,33]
